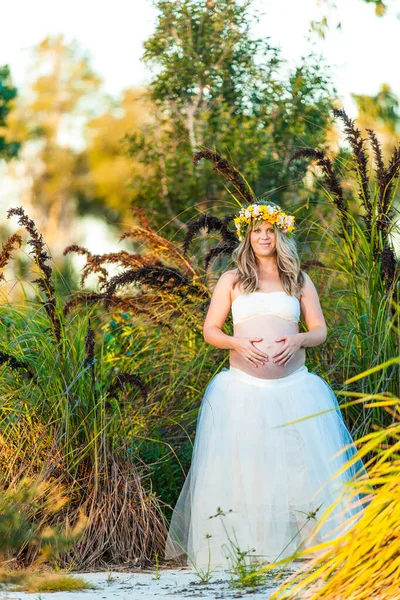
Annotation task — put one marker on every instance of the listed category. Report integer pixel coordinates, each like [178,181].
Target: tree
[380,6]
[8,149]
[73,136]
[110,185]
[320,27]
[215,86]
[381,113]
[48,121]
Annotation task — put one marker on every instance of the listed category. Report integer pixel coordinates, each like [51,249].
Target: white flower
[237,225]
[280,220]
[247,214]
[289,220]
[256,209]
[270,210]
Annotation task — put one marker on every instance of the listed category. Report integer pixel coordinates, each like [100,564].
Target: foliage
[47,121]
[380,6]
[26,507]
[8,149]
[72,135]
[321,26]
[109,179]
[61,418]
[380,111]
[215,87]
[167,471]
[87,429]
[39,581]
[365,264]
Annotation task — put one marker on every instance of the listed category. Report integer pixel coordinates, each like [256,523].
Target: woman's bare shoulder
[227,280]
[228,277]
[232,273]
[308,285]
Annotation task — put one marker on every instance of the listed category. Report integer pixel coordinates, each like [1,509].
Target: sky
[362,55]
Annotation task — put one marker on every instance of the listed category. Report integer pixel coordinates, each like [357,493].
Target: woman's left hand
[288,350]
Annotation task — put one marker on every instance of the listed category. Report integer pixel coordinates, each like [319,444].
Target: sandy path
[142,585]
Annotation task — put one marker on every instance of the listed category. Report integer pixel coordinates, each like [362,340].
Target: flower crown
[262,212]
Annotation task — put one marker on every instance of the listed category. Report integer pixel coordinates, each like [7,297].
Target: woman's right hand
[244,346]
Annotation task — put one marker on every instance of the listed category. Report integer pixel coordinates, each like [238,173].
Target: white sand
[172,583]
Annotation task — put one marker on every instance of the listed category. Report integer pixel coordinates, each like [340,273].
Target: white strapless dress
[256,483]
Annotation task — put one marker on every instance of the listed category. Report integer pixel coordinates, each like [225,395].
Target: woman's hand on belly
[268,329]
[270,348]
[269,369]
[248,349]
[289,345]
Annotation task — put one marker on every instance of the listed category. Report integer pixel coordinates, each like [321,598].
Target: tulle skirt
[259,486]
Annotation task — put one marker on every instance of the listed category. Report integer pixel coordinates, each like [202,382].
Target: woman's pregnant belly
[268,327]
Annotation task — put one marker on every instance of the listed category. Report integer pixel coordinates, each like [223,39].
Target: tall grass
[64,424]
[359,259]
[61,421]
[363,329]
[26,508]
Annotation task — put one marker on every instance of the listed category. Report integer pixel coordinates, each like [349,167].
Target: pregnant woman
[256,483]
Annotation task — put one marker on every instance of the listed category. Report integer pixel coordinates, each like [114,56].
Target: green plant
[26,508]
[62,409]
[364,269]
[157,573]
[36,581]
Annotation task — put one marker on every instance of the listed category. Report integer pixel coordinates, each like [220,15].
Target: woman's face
[263,239]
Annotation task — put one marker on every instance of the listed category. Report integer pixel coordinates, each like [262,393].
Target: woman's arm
[217,313]
[313,316]
[315,337]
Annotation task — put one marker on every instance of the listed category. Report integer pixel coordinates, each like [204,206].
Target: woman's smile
[257,236]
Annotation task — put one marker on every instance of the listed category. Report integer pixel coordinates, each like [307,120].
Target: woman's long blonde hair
[287,260]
